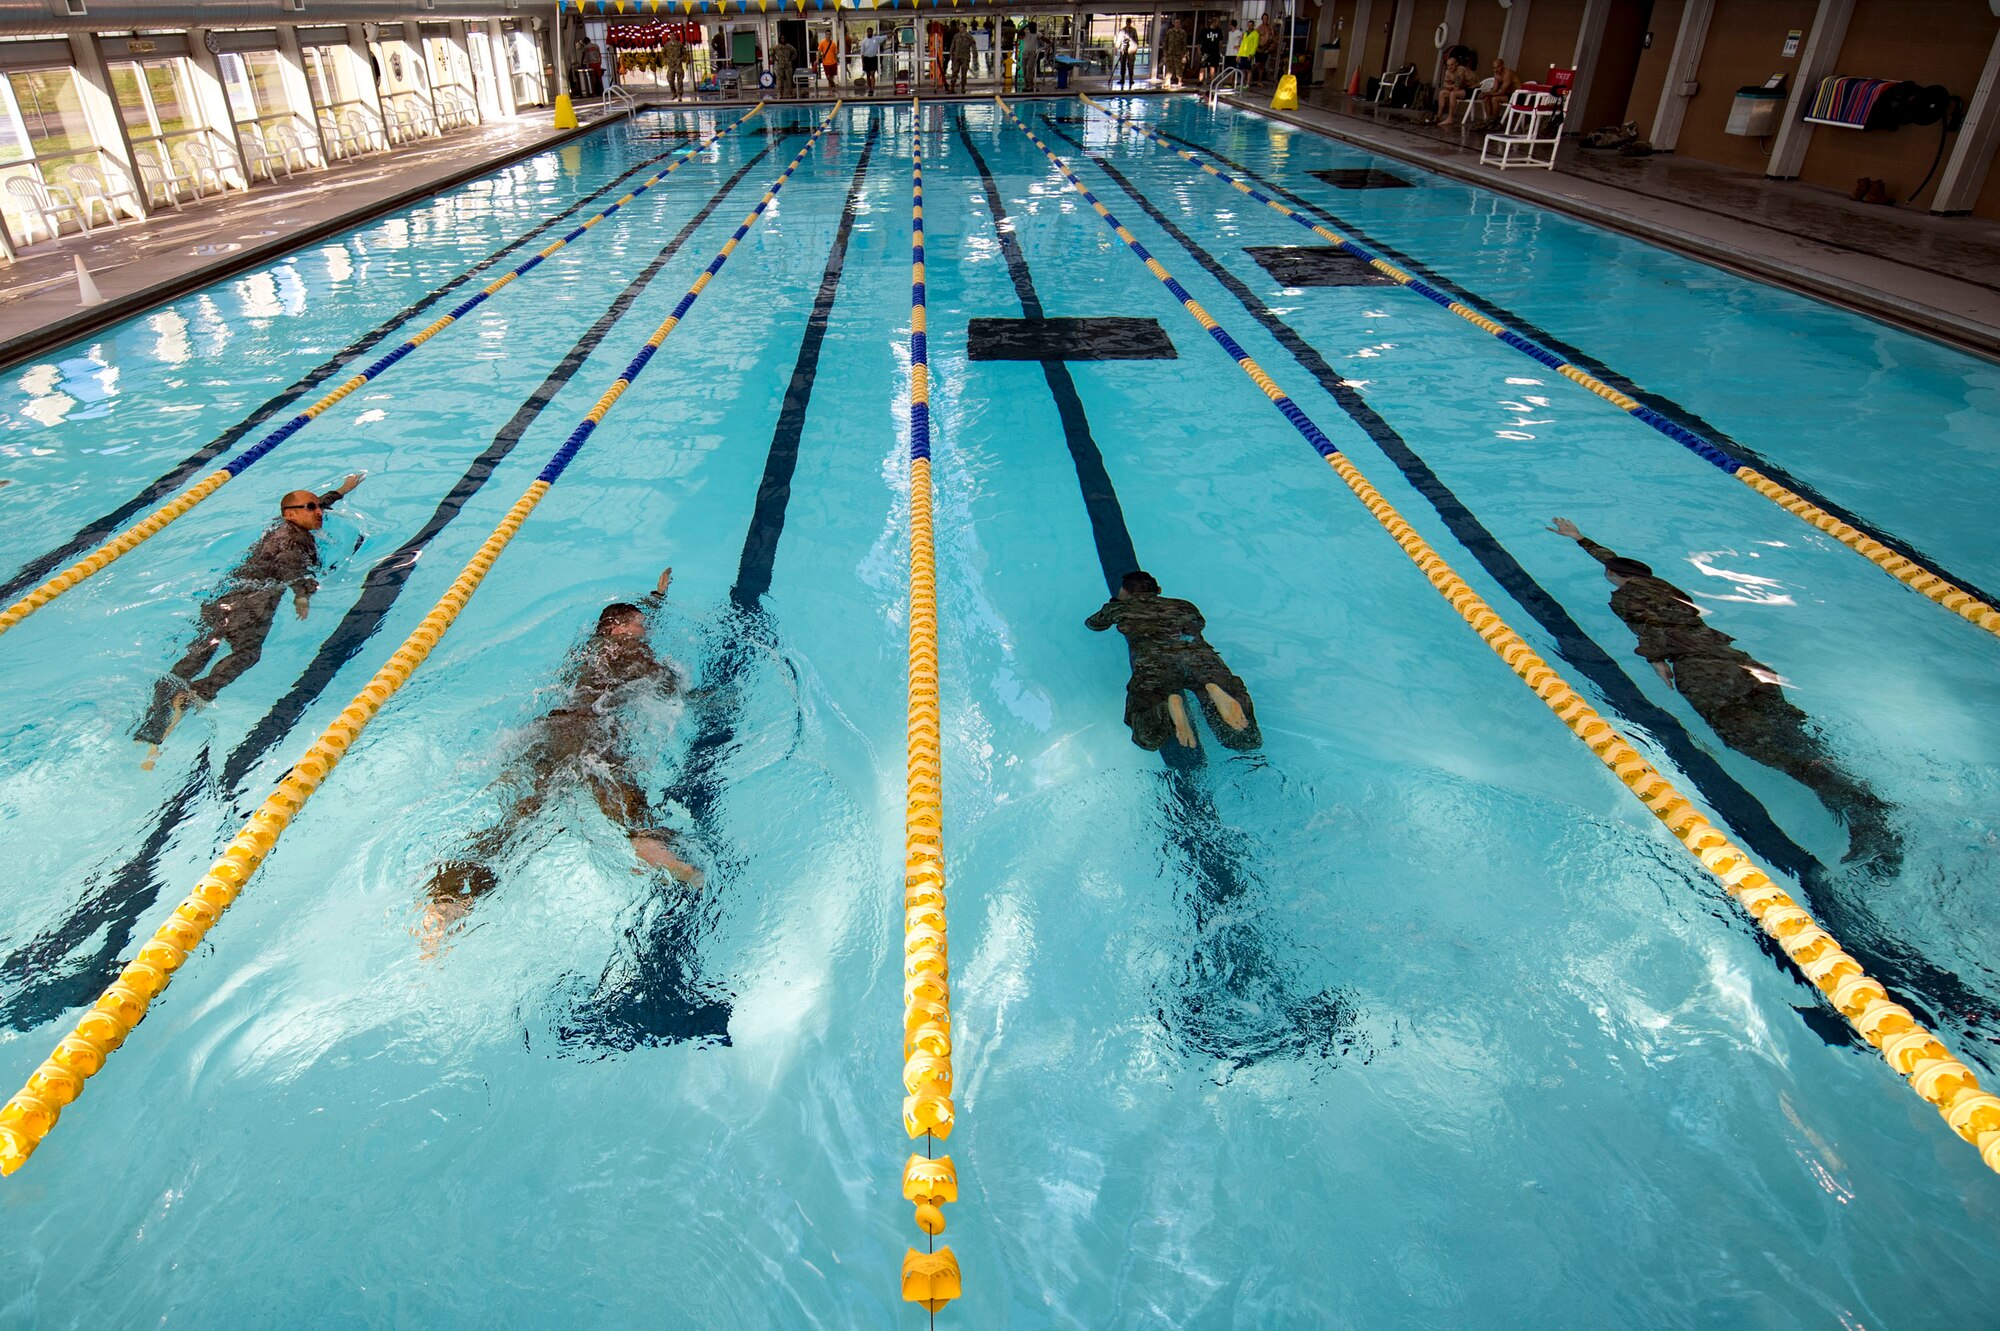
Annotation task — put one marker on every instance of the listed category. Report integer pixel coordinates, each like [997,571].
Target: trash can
[1062,75]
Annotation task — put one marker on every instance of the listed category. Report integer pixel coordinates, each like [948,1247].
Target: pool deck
[1933,275]
[140,264]
[1939,276]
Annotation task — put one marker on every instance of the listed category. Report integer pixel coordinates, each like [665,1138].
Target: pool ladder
[1228,80]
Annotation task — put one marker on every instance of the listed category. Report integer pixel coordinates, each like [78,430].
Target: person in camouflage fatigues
[1739,696]
[1173,52]
[1169,656]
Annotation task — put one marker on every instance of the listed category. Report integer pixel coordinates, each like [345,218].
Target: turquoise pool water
[1411,1017]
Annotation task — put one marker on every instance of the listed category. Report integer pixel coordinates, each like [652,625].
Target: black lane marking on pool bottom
[1100,500]
[1916,978]
[1100,338]
[53,979]
[102,528]
[1234,1002]
[1672,410]
[131,889]
[1366,177]
[774,490]
[1316,266]
[650,993]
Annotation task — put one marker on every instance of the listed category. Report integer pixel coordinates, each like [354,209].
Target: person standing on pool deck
[1169,655]
[829,57]
[1211,47]
[286,555]
[1028,55]
[675,59]
[962,45]
[783,60]
[1173,53]
[1739,696]
[871,56]
[1128,55]
[582,742]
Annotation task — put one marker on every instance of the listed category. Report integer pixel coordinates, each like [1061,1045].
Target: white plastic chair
[44,203]
[1528,133]
[359,130]
[199,165]
[165,177]
[287,142]
[260,155]
[91,190]
[1473,100]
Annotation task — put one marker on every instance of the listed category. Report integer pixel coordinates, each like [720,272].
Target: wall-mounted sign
[139,46]
[1792,43]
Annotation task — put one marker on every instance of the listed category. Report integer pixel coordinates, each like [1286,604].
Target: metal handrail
[1225,80]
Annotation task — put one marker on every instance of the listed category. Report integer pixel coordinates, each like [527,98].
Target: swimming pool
[1410,1016]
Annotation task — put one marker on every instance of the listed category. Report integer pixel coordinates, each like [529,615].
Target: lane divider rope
[27,1119]
[1912,574]
[157,521]
[1912,1050]
[930,1277]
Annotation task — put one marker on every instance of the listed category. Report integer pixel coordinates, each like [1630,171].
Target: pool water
[1410,1017]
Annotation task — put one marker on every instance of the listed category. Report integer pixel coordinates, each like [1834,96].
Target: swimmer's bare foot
[1228,708]
[1182,730]
[655,852]
[152,756]
[181,702]
[439,916]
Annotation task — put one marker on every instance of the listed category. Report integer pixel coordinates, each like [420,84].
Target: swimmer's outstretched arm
[1564,527]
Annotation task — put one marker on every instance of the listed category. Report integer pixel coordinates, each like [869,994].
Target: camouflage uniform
[285,556]
[1733,692]
[1168,653]
[1173,52]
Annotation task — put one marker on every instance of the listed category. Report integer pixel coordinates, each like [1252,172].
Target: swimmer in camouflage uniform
[1170,656]
[1739,696]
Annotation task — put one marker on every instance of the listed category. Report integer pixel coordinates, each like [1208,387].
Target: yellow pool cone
[86,288]
[565,112]
[1287,96]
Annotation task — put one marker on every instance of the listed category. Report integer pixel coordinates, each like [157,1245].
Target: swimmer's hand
[1564,527]
[667,576]
[302,604]
[347,486]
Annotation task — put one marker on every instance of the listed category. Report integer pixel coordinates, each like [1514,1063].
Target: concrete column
[356,73]
[1399,38]
[1357,44]
[1513,32]
[100,112]
[1823,43]
[1682,70]
[1965,170]
[921,61]
[1454,24]
[500,62]
[416,64]
[298,92]
[464,79]
[1589,43]
[212,108]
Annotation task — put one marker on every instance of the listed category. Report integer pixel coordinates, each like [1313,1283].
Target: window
[256,86]
[46,103]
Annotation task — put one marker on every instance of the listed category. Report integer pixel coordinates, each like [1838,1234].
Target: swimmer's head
[1139,583]
[301,508]
[621,619]
[1621,570]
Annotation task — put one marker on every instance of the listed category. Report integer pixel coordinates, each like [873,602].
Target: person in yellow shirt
[1246,54]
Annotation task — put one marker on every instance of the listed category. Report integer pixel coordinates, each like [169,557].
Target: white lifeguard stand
[1527,134]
